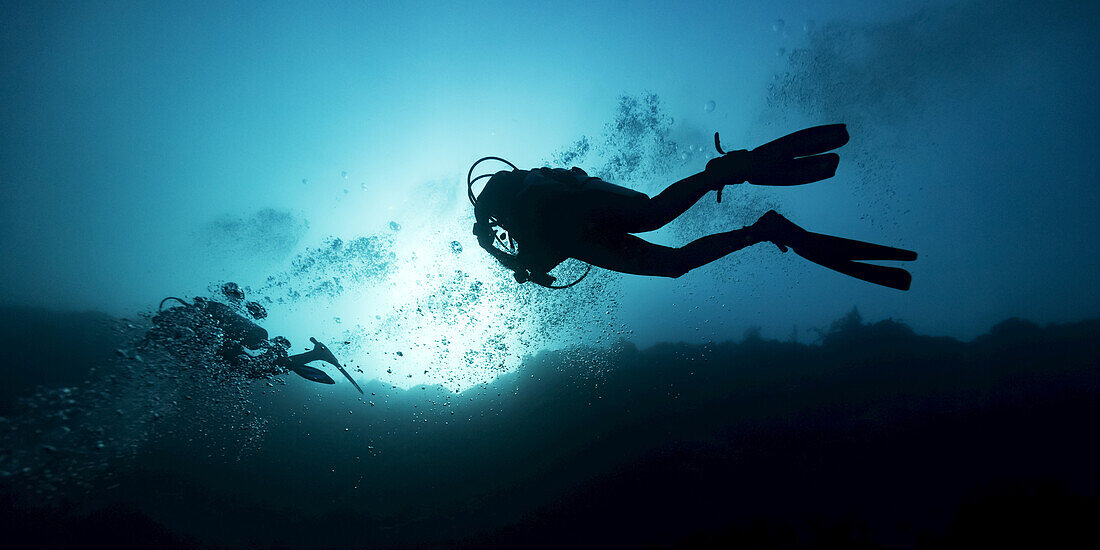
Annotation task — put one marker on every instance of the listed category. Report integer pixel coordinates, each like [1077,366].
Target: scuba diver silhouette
[532,220]
[238,333]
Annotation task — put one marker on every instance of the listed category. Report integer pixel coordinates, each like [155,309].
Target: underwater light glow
[413,309]
[443,325]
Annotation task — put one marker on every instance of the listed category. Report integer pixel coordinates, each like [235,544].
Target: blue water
[316,156]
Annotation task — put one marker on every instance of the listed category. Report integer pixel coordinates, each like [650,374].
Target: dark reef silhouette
[875,436]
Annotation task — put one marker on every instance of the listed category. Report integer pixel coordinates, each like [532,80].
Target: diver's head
[497,199]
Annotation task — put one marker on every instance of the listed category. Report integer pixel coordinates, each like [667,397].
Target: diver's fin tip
[312,374]
[905,282]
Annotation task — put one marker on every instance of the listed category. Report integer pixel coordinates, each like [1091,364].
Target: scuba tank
[493,214]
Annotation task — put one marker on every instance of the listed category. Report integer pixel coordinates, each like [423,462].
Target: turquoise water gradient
[130,131]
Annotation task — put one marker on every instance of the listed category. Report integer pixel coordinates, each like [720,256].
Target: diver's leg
[629,254]
[655,213]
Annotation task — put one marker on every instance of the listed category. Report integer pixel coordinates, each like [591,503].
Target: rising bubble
[709,106]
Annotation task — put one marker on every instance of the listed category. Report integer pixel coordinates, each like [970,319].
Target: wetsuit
[556,214]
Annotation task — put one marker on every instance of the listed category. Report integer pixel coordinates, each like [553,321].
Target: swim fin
[797,158]
[803,143]
[309,373]
[796,171]
[851,249]
[327,356]
[838,253]
[320,352]
[893,277]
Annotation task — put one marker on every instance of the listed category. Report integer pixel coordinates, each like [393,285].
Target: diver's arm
[539,259]
[507,260]
[526,266]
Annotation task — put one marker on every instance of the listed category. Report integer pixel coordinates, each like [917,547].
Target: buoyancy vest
[500,201]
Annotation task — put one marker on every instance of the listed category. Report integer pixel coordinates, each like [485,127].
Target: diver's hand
[544,279]
[541,279]
[485,237]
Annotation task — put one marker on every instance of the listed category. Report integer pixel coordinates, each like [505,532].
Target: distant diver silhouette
[240,333]
[532,220]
